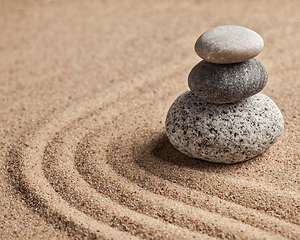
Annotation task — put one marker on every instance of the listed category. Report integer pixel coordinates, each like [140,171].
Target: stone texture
[228,44]
[227,83]
[223,133]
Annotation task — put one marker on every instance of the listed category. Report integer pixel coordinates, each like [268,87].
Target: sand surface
[84,91]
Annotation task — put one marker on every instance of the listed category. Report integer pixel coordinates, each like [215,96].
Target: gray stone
[223,133]
[228,44]
[227,83]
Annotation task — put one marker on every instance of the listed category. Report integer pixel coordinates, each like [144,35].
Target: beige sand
[85,87]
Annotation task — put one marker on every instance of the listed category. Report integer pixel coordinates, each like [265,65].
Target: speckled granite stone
[223,133]
[229,44]
[226,83]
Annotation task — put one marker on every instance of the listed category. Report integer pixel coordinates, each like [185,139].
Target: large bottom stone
[223,133]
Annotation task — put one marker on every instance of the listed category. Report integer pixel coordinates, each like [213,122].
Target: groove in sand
[76,198]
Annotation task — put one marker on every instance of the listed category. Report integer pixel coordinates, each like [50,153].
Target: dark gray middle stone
[227,83]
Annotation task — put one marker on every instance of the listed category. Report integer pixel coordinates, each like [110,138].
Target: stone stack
[225,118]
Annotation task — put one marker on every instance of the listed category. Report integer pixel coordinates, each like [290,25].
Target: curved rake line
[265,222]
[195,196]
[266,195]
[80,132]
[34,185]
[75,186]
[40,194]
[197,219]
[65,176]
[268,221]
[190,197]
[120,109]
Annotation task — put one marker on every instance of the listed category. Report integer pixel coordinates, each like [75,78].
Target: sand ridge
[84,100]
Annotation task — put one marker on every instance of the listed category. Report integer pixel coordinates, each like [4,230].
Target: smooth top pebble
[229,44]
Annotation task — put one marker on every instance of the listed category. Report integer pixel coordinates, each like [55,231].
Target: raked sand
[84,91]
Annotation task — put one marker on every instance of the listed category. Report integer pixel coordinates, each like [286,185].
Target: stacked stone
[225,118]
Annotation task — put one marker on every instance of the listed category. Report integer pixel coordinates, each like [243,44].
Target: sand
[85,88]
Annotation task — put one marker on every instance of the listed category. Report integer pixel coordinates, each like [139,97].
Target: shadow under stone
[165,155]
[165,151]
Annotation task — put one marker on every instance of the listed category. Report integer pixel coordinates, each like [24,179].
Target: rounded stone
[220,83]
[223,133]
[229,44]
